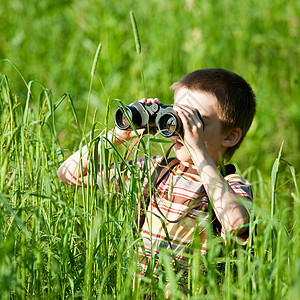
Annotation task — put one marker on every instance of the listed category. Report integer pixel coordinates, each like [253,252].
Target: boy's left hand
[193,126]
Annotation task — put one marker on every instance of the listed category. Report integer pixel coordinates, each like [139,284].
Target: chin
[183,156]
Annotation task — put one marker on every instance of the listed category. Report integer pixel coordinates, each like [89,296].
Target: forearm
[69,172]
[205,147]
[73,170]
[226,204]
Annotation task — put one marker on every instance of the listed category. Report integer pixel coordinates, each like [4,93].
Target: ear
[232,137]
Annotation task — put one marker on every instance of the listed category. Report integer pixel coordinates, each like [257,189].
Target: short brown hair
[235,97]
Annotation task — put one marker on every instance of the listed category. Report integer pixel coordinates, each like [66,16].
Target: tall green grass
[55,44]
[64,242]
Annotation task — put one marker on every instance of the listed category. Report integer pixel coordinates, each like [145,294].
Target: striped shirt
[181,206]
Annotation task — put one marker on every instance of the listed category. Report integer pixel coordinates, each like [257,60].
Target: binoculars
[163,117]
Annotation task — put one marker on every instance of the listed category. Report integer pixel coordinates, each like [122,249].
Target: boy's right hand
[150,101]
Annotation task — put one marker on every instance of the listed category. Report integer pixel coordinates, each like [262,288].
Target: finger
[149,101]
[193,114]
[141,131]
[183,117]
[191,119]
[152,100]
[186,108]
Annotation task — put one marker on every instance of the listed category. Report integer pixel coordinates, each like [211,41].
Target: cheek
[212,138]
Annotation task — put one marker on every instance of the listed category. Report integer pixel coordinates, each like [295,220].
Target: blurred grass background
[55,44]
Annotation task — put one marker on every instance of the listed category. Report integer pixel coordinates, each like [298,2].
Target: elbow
[67,177]
[62,175]
[240,226]
[240,220]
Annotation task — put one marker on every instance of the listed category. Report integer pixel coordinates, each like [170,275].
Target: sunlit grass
[258,40]
[63,242]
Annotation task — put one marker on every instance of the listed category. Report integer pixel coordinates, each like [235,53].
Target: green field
[57,93]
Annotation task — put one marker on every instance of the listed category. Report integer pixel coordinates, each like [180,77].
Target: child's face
[213,138]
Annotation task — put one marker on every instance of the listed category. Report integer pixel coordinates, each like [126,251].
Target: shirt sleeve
[240,185]
[243,188]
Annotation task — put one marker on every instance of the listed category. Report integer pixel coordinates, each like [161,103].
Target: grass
[258,40]
[65,242]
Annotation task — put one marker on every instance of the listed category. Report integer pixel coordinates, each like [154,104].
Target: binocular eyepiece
[163,117]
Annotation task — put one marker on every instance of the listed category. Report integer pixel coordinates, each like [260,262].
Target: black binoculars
[164,117]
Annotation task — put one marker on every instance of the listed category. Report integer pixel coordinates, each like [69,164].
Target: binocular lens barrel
[168,124]
[122,117]
[158,115]
[124,121]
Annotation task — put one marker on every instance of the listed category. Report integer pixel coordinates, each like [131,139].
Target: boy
[227,106]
